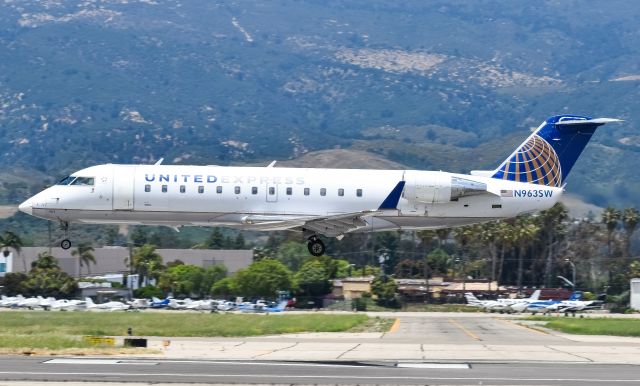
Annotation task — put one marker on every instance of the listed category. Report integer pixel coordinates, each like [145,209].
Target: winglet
[391,202]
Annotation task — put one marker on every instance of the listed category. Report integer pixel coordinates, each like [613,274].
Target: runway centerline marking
[79,361]
[464,329]
[464,366]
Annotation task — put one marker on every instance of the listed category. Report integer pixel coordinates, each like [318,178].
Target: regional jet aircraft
[328,202]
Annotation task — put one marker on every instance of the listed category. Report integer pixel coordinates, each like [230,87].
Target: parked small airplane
[328,202]
[69,305]
[160,303]
[502,305]
[139,304]
[572,305]
[108,306]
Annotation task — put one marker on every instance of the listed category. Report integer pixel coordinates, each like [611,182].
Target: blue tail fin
[547,156]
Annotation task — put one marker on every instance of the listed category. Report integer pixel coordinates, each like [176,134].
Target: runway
[421,348]
[304,373]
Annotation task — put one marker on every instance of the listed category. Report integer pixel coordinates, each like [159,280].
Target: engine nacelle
[439,187]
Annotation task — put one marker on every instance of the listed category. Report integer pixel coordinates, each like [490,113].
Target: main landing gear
[66,243]
[316,246]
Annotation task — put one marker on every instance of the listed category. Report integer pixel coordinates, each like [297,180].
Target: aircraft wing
[329,225]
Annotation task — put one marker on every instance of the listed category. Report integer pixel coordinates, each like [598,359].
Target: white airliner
[328,202]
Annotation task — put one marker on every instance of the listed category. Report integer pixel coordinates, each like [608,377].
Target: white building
[635,294]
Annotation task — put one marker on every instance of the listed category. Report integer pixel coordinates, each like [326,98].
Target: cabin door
[123,183]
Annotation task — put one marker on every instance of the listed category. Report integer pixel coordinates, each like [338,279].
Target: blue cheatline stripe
[391,202]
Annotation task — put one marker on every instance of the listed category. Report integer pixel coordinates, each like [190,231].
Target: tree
[216,240]
[343,268]
[147,263]
[225,287]
[292,254]
[239,242]
[138,236]
[610,217]
[505,239]
[10,240]
[313,278]
[13,283]
[439,261]
[85,257]
[630,218]
[211,276]
[147,292]
[386,291]
[263,279]
[47,279]
[525,233]
[183,280]
[552,230]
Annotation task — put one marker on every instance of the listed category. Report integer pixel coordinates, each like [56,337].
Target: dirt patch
[7,211]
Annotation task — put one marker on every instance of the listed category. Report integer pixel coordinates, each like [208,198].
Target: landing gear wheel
[316,246]
[65,244]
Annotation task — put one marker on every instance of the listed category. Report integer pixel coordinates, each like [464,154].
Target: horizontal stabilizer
[482,173]
[595,121]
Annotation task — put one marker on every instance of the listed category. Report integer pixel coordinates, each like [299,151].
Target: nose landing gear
[316,246]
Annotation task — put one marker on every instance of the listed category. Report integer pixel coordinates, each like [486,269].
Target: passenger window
[306,191]
[183,188]
[218,189]
[254,190]
[87,181]
[164,188]
[147,188]
[359,192]
[200,189]
[289,191]
[272,190]
[236,190]
[340,192]
[66,180]
[323,191]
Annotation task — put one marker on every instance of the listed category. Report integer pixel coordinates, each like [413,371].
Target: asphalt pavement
[94,370]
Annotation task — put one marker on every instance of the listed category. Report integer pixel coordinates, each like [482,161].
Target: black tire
[316,247]
[65,244]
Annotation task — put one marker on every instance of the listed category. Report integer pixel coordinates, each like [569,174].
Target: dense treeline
[530,250]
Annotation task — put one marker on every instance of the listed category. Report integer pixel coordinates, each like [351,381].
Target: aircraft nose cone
[26,207]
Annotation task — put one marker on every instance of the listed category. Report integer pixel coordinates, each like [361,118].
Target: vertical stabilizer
[548,155]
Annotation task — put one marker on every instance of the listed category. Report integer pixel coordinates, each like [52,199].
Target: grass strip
[592,326]
[62,330]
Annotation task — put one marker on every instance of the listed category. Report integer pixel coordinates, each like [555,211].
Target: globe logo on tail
[535,162]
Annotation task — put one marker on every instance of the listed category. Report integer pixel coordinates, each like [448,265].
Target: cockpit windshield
[66,180]
[83,181]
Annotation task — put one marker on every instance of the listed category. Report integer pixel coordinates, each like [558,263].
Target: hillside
[450,85]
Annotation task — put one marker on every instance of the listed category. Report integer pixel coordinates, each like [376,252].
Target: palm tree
[147,263]
[85,257]
[610,217]
[489,238]
[550,221]
[526,231]
[10,240]
[505,237]
[630,218]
